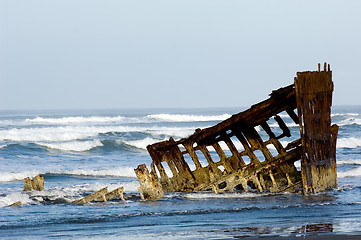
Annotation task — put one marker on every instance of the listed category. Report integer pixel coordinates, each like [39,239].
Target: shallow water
[79,152]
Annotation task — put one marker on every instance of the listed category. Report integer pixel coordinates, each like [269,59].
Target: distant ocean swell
[81,133]
[87,144]
[152,118]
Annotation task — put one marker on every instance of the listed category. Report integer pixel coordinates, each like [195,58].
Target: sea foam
[121,119]
[14,197]
[69,133]
[351,142]
[141,143]
[188,118]
[112,172]
[11,176]
[72,120]
[202,196]
[354,172]
[350,121]
[349,162]
[76,146]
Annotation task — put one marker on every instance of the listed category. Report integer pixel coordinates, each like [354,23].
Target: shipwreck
[261,164]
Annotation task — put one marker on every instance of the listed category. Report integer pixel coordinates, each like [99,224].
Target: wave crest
[72,120]
[188,118]
[76,146]
[351,142]
[355,172]
[113,172]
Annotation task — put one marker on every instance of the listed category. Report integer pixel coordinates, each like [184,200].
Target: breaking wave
[76,146]
[121,119]
[351,142]
[188,118]
[69,142]
[344,114]
[354,172]
[14,197]
[63,194]
[350,121]
[349,162]
[113,172]
[70,133]
[75,120]
[10,176]
[141,143]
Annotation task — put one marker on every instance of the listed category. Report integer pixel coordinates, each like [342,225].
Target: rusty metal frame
[277,172]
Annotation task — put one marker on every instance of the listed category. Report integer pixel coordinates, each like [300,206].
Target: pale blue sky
[71,54]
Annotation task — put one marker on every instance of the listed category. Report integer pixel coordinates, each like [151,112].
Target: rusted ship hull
[307,102]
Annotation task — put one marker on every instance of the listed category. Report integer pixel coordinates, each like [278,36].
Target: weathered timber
[36,184]
[149,183]
[307,102]
[102,195]
[92,197]
[16,204]
[112,194]
[314,100]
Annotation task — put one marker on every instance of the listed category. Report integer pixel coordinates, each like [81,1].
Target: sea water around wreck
[79,152]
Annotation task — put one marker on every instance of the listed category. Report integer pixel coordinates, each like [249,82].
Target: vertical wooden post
[149,183]
[36,184]
[314,100]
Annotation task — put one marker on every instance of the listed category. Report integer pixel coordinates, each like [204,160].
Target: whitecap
[349,162]
[76,146]
[71,133]
[344,114]
[350,121]
[75,120]
[350,142]
[188,118]
[176,132]
[11,176]
[48,134]
[354,172]
[142,143]
[115,172]
[14,197]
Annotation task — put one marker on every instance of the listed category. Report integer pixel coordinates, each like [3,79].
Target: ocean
[79,152]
